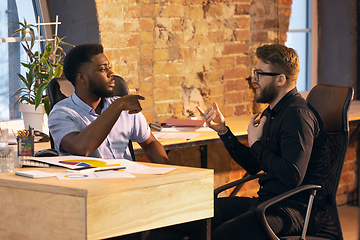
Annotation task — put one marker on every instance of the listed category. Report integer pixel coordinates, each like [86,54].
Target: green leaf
[58,70]
[47,105]
[39,94]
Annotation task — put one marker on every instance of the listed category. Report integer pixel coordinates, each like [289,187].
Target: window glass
[11,53]
[299,38]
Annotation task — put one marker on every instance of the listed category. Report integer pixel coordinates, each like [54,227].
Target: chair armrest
[260,210]
[234,183]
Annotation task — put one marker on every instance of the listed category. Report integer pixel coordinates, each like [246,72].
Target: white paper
[75,176]
[34,174]
[187,136]
[114,174]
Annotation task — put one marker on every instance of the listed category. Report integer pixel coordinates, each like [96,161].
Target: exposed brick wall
[183,53]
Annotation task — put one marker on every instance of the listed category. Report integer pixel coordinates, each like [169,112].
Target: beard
[100,90]
[267,94]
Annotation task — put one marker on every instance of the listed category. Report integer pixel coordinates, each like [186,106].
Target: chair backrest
[332,103]
[60,88]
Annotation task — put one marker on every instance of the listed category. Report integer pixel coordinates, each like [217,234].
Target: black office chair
[332,103]
[60,88]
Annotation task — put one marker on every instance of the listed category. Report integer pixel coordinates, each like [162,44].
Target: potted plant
[40,69]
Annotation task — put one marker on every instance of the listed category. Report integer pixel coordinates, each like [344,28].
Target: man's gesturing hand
[214,118]
[130,103]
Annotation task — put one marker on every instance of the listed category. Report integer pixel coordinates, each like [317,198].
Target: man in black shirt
[288,143]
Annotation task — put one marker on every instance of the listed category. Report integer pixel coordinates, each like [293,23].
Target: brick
[161,108]
[194,12]
[132,11]
[242,9]
[146,88]
[146,49]
[146,24]
[237,72]
[235,48]
[248,96]
[177,24]
[173,10]
[176,108]
[214,10]
[167,68]
[213,77]
[132,26]
[167,94]
[223,62]
[230,86]
[243,60]
[242,35]
[130,54]
[161,81]
[148,114]
[148,103]
[240,110]
[175,81]
[146,62]
[233,97]
[147,10]
[242,22]
[134,40]
[271,23]
[260,37]
[161,55]
[241,84]
[147,37]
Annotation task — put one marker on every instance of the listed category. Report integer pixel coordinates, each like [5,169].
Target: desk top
[238,126]
[93,187]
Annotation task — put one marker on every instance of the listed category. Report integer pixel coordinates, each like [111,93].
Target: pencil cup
[25,146]
[6,159]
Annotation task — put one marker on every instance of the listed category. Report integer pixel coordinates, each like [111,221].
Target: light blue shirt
[73,115]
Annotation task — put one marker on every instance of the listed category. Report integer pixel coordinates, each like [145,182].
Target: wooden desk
[238,126]
[99,208]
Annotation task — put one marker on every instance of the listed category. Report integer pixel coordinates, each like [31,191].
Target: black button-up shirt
[292,150]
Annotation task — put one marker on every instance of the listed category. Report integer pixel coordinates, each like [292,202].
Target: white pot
[37,119]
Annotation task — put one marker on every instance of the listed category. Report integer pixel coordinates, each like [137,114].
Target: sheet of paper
[114,174]
[75,162]
[75,176]
[173,135]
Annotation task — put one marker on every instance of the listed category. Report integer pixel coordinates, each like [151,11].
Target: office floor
[349,219]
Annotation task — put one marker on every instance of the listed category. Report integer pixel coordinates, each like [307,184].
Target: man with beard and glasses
[288,143]
[92,122]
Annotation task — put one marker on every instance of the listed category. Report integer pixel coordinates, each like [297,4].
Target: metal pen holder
[25,146]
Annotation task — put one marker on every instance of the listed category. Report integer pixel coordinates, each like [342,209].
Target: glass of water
[6,159]
[4,137]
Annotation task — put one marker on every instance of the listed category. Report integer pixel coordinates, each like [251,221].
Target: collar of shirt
[281,103]
[81,104]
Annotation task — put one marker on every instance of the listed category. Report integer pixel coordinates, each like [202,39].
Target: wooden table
[238,126]
[49,208]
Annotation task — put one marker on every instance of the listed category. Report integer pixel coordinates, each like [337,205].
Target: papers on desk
[172,124]
[129,168]
[187,136]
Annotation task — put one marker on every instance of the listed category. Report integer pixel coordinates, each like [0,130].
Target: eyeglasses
[256,73]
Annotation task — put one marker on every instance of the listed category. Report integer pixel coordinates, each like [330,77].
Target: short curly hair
[77,57]
[282,59]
